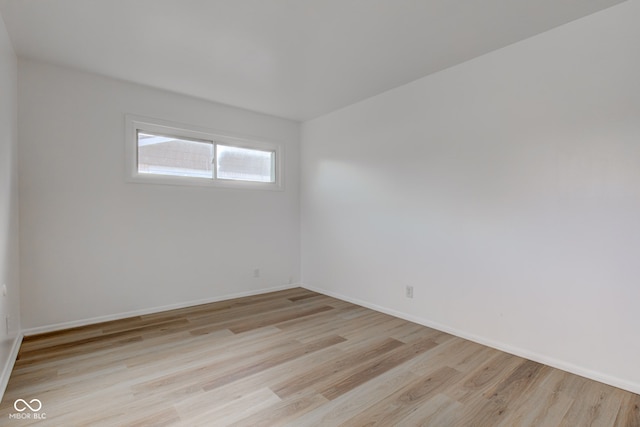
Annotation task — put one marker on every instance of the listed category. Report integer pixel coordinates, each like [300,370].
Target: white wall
[94,245]
[9,304]
[506,190]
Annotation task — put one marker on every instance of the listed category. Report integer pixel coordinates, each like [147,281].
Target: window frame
[135,124]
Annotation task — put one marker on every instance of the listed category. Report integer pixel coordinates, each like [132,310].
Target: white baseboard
[536,357]
[141,312]
[8,366]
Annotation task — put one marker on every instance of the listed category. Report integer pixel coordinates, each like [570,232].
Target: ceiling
[297,59]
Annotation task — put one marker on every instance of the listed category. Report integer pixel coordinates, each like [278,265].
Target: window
[168,153]
[244,164]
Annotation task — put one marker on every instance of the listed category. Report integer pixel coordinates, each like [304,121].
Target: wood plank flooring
[294,358]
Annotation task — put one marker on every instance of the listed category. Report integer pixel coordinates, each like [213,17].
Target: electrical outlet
[256,272]
[409,292]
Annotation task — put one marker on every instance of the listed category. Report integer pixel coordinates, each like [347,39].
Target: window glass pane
[245,164]
[164,155]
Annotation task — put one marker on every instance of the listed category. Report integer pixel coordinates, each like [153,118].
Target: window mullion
[214,167]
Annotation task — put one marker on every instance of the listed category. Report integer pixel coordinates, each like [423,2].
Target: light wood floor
[294,358]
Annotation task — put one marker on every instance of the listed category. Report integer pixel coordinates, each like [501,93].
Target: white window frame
[133,124]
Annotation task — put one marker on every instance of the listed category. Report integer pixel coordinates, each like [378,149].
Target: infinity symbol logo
[25,405]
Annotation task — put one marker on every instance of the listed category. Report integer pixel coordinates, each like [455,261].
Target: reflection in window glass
[245,164]
[164,155]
